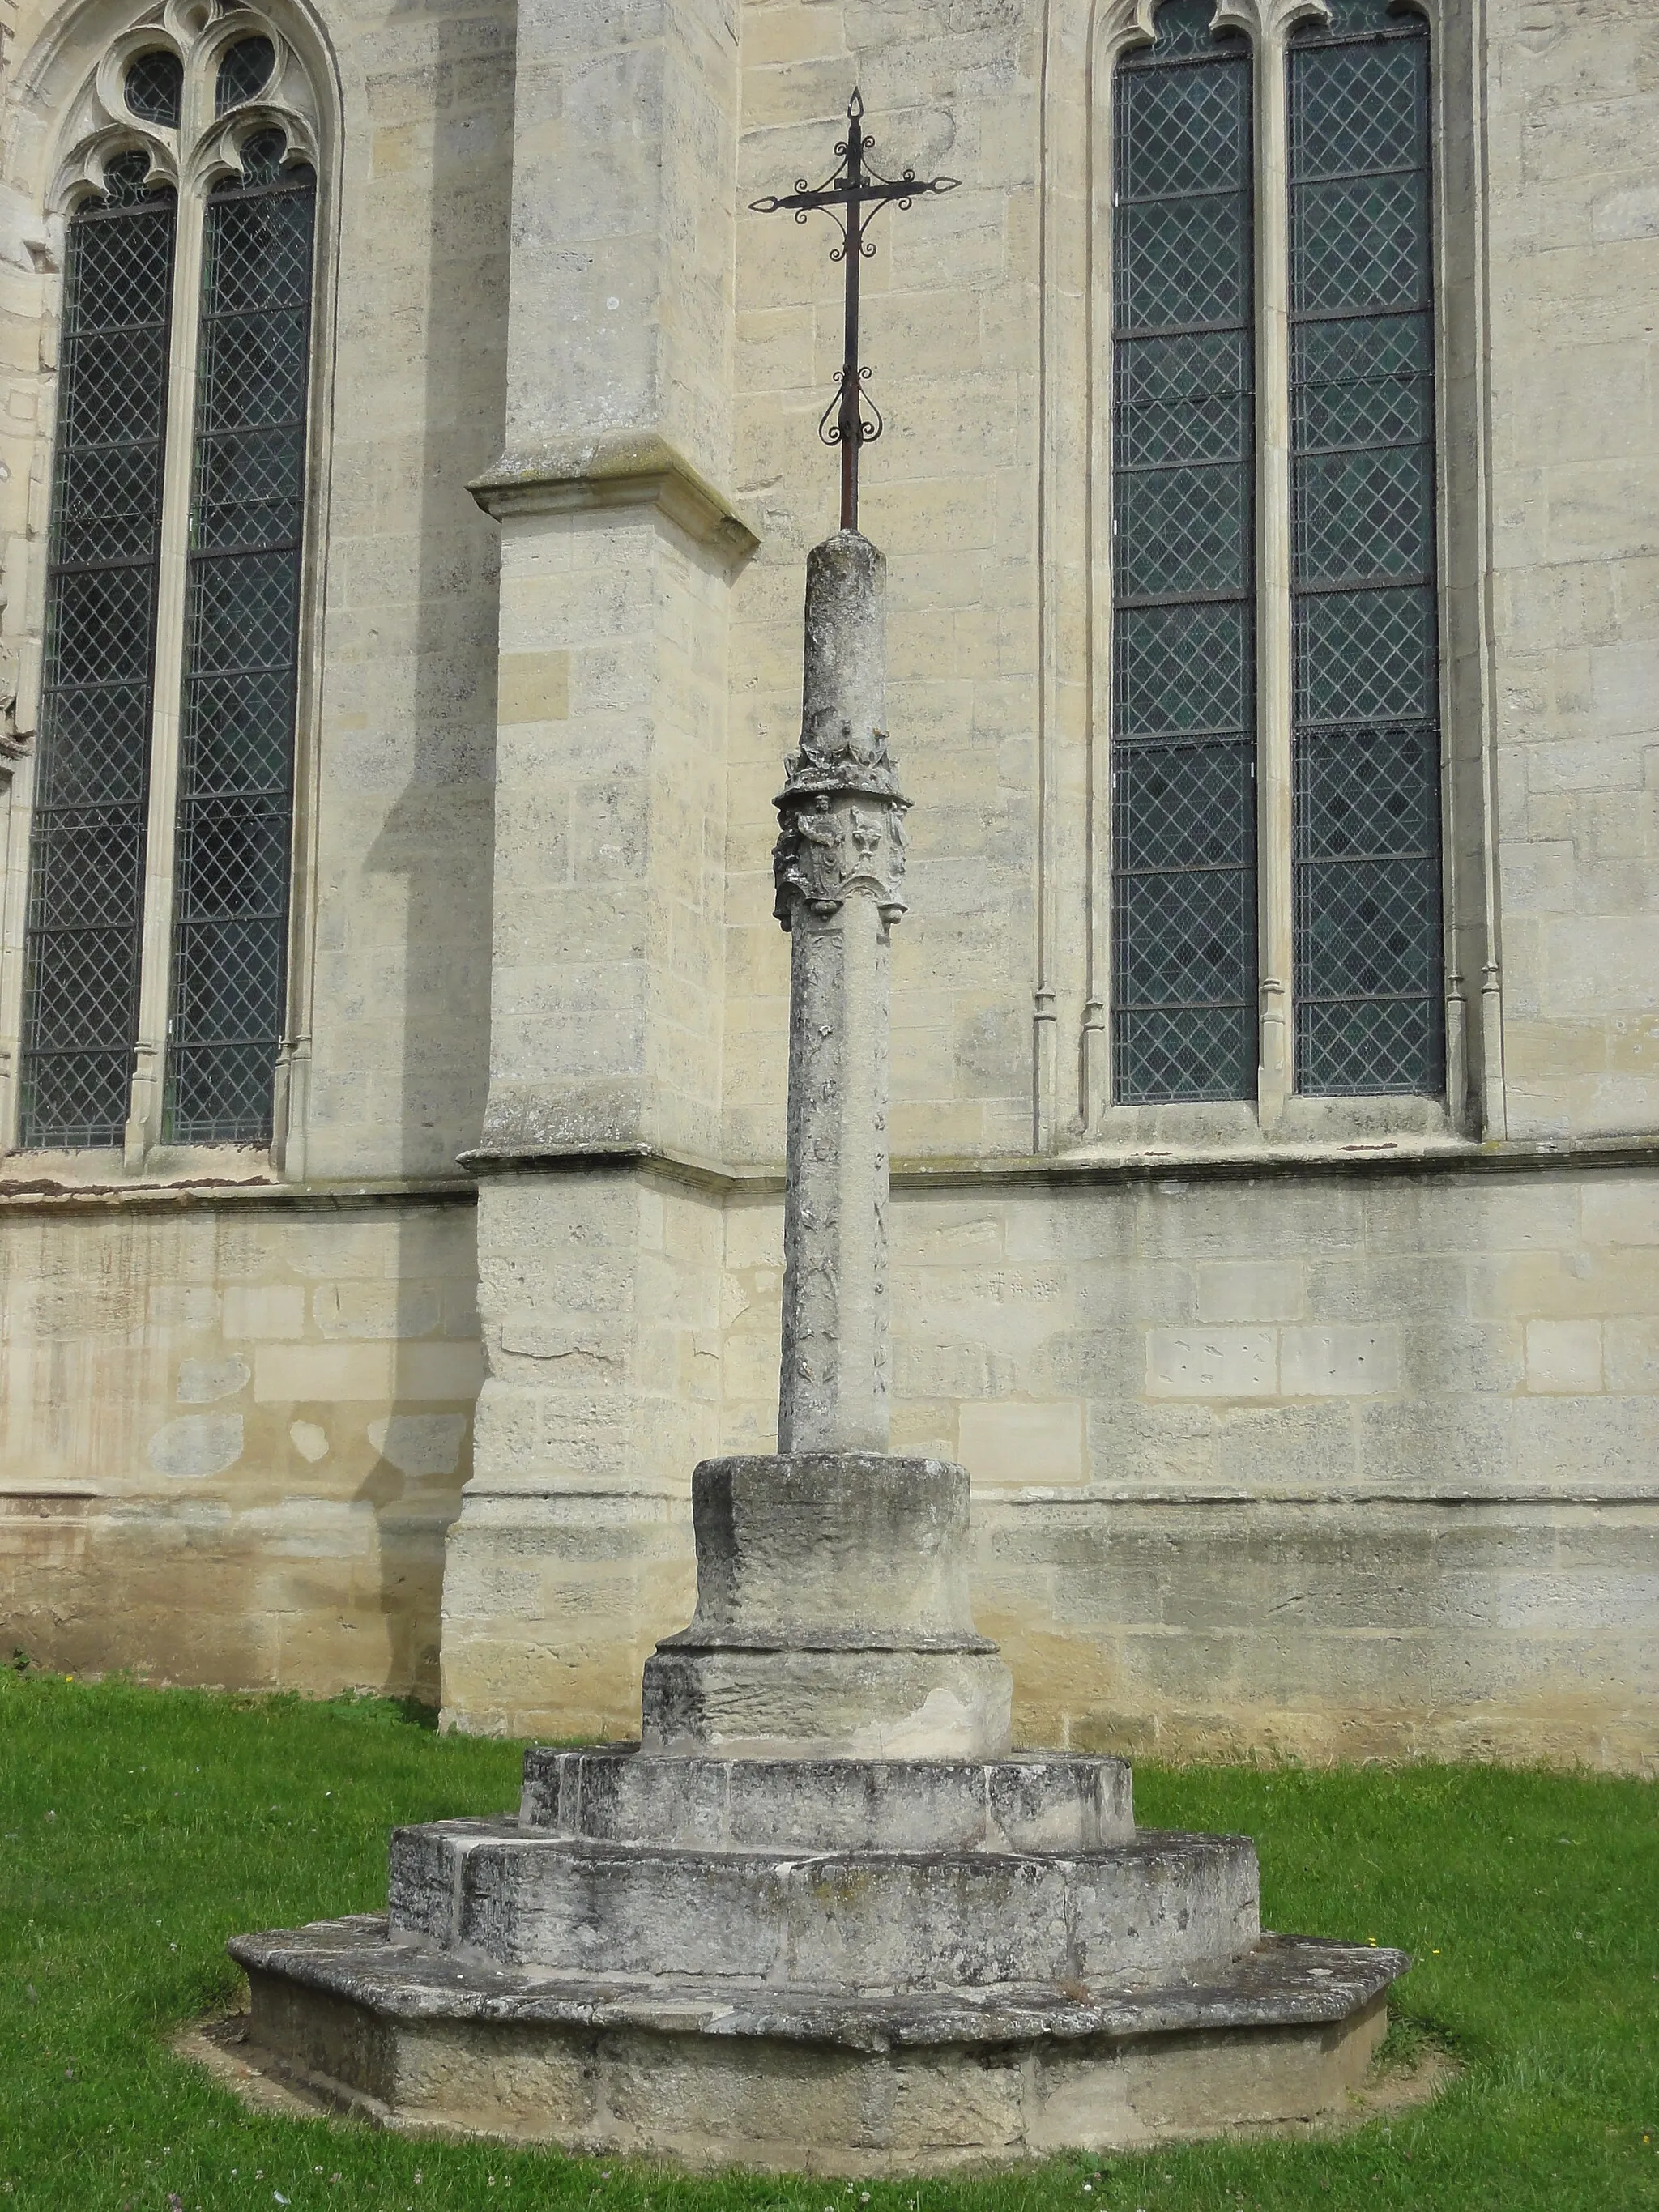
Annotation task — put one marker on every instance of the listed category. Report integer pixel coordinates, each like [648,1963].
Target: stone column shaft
[840,864]
[833,1619]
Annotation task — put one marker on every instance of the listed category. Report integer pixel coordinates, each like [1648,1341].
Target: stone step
[1163,1908]
[1036,1802]
[718,2073]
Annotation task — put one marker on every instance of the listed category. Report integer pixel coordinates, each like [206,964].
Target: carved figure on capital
[828,845]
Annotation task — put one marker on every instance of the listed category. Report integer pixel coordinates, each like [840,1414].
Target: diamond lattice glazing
[1368,974]
[86,836]
[1183,806]
[1181,669]
[156,87]
[241,630]
[244,73]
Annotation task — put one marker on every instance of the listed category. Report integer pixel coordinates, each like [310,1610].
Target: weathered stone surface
[843,1541]
[624,695]
[832,1617]
[909,2084]
[848,1697]
[839,869]
[1032,1802]
[832,1621]
[1154,1910]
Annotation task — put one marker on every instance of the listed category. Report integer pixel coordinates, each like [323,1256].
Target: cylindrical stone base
[833,1617]
[852,1702]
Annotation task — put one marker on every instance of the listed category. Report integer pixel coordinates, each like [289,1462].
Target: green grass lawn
[142,1827]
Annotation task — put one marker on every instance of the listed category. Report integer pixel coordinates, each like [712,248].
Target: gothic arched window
[155,952]
[1273,495]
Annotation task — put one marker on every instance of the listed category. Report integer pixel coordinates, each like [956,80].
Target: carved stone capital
[835,838]
[841,813]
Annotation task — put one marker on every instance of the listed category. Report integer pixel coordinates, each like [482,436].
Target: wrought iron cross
[862,191]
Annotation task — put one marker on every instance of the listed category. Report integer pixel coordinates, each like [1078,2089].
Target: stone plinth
[832,1617]
[1030,1801]
[841,1965]
[424,2041]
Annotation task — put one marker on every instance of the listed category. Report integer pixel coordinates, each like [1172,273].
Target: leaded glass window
[1367,736]
[1183,809]
[86,860]
[242,611]
[156,945]
[244,73]
[156,87]
[1347,712]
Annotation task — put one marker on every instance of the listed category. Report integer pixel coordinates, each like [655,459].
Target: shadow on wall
[439,833]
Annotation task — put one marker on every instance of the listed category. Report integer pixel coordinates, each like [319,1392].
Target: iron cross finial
[862,191]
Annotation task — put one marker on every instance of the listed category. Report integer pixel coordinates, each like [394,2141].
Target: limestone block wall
[601,1298]
[952,321]
[605,1026]
[1340,1464]
[992,380]
[1276,1438]
[598,1286]
[232,1431]
[1572,109]
[405,799]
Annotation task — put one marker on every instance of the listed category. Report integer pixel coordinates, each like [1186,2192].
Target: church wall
[146,1523]
[1548,253]
[407,723]
[951,318]
[393,817]
[1573,105]
[599,1287]
[232,1433]
[601,1295]
[1336,1464]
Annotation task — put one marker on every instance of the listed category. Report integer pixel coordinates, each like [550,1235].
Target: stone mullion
[144,1128]
[1275,1074]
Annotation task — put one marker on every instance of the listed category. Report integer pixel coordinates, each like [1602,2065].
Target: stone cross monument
[832,1580]
[819,1914]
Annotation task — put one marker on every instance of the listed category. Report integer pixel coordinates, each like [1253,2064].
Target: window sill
[195,1175]
[104,1167]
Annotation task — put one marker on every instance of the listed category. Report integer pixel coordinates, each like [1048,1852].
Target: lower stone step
[1030,1801]
[1161,1908]
[719,2074]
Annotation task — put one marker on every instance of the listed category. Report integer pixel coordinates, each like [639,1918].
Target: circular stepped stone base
[714,2074]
